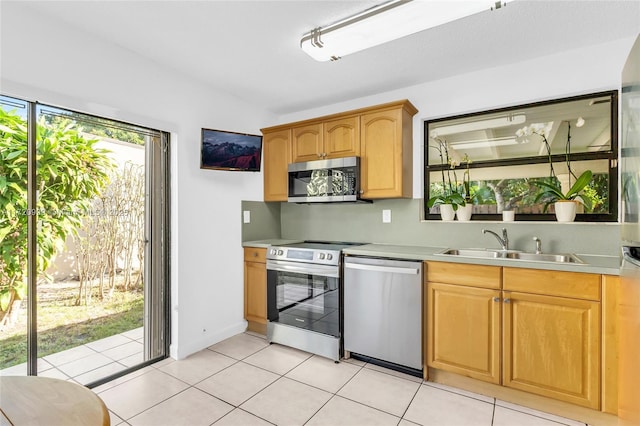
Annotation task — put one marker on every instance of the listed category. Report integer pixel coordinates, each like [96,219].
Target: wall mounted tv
[222,150]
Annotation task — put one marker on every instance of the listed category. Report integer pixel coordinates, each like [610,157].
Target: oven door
[304,295]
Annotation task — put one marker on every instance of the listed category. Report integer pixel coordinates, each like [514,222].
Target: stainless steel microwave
[325,181]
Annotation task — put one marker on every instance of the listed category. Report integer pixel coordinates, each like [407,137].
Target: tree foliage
[70,172]
[119,235]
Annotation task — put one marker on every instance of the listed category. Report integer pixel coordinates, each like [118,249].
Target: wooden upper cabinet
[342,137]
[277,156]
[307,143]
[386,149]
[380,135]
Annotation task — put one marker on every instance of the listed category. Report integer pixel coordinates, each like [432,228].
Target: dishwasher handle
[388,269]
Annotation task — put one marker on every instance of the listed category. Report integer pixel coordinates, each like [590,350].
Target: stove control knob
[321,256]
[280,252]
[273,251]
[329,256]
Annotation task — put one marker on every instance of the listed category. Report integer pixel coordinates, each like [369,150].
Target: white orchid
[541,129]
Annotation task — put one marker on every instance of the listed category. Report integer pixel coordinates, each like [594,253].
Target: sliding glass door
[96,303]
[14,123]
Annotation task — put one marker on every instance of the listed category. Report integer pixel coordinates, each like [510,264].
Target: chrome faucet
[538,245]
[504,241]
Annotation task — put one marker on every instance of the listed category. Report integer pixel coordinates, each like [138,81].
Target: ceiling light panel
[389,21]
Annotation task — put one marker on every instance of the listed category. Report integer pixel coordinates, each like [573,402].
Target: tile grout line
[493,412]
[244,411]
[426,383]
[333,394]
[154,405]
[404,413]
[540,417]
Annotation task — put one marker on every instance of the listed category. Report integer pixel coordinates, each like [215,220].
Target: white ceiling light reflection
[483,143]
[493,123]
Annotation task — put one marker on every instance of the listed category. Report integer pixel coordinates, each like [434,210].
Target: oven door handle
[321,270]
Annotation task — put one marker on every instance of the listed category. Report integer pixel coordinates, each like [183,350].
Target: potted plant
[465,211]
[448,203]
[565,203]
[451,198]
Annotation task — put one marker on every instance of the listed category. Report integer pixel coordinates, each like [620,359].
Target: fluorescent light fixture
[492,123]
[483,143]
[386,22]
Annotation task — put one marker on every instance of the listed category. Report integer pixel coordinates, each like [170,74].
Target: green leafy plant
[70,172]
[552,193]
[451,194]
[454,199]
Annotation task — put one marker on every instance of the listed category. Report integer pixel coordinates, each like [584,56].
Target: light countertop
[594,264]
[608,265]
[267,243]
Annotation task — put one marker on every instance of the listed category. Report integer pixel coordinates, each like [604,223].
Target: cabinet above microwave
[381,134]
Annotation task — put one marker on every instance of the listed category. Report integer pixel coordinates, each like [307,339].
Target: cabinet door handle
[507,300]
[496,299]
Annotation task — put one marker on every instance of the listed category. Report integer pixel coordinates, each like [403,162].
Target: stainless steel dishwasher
[383,310]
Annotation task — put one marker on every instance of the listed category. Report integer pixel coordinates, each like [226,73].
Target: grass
[62,325]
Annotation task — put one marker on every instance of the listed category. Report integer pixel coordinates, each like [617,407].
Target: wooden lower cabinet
[464,330]
[629,347]
[552,347]
[548,333]
[255,288]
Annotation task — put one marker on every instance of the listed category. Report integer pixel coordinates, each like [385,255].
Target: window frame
[612,155]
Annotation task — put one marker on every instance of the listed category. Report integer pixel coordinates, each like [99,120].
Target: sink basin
[545,257]
[491,254]
[513,255]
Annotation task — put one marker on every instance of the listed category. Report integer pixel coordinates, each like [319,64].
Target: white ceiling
[251,48]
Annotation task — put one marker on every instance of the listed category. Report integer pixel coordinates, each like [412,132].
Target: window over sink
[496,159]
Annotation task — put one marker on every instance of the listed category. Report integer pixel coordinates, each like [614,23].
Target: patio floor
[91,361]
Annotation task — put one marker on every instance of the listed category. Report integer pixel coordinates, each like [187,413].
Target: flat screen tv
[223,150]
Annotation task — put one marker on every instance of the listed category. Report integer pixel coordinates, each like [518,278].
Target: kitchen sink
[545,257]
[513,255]
[491,254]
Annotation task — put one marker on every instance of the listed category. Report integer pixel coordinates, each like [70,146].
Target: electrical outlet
[386,216]
[246,216]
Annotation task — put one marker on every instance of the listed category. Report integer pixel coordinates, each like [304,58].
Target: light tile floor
[245,381]
[89,362]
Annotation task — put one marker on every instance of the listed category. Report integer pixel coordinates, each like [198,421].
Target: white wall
[54,64]
[573,72]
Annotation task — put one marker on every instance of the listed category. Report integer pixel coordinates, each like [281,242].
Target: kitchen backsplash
[264,220]
[363,223]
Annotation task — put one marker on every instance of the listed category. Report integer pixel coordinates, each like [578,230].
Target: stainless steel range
[304,284]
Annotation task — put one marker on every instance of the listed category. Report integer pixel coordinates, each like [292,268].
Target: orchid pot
[464,212]
[447,212]
[565,210]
